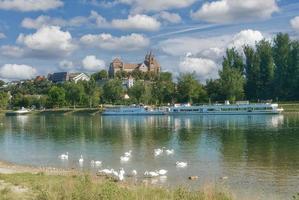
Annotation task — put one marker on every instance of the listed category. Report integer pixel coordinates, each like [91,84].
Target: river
[258,154]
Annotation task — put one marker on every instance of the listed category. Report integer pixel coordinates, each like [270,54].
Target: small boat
[22,111]
[133,110]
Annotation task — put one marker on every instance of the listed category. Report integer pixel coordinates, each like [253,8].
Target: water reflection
[256,152]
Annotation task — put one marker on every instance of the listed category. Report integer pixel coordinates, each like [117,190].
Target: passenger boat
[22,111]
[240,108]
[133,110]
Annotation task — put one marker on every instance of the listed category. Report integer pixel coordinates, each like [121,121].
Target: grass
[83,187]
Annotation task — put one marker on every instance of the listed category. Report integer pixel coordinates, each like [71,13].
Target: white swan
[150,174]
[106,171]
[98,163]
[121,174]
[81,160]
[124,158]
[158,152]
[64,156]
[162,172]
[169,151]
[181,164]
[128,154]
[134,172]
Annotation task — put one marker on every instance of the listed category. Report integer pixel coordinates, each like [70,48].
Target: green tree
[190,90]
[56,96]
[252,73]
[281,52]
[293,78]
[266,77]
[231,83]
[137,90]
[164,88]
[233,60]
[113,91]
[4,99]
[101,75]
[90,90]
[213,89]
[1,83]
[74,93]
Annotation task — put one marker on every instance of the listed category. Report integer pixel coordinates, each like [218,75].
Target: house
[78,77]
[150,64]
[128,83]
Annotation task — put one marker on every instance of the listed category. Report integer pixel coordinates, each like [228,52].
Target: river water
[259,154]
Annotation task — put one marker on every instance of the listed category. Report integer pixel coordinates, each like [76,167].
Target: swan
[64,156]
[158,152]
[124,158]
[106,171]
[134,172]
[121,174]
[162,172]
[169,151]
[150,174]
[128,154]
[181,164]
[98,163]
[81,160]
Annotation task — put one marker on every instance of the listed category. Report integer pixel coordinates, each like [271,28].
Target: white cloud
[48,41]
[173,18]
[203,68]
[211,47]
[226,11]
[156,5]
[66,64]
[15,71]
[92,63]
[122,43]
[2,35]
[295,23]
[245,37]
[94,19]
[12,51]
[30,5]
[137,22]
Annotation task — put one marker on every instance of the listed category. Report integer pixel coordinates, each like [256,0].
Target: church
[150,64]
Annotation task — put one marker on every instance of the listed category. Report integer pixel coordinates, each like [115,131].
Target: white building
[128,83]
[78,77]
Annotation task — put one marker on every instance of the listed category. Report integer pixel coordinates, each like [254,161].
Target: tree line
[268,70]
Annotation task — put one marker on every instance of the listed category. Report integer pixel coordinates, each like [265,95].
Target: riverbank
[21,182]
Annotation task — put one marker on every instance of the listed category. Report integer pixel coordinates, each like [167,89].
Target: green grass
[52,187]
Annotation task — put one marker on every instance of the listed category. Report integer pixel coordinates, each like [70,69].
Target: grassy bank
[54,187]
[290,106]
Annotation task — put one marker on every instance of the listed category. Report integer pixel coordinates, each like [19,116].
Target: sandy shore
[11,168]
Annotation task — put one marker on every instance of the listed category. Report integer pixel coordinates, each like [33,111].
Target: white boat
[22,111]
[132,110]
[240,108]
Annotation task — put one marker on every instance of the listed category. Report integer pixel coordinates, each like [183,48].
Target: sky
[38,37]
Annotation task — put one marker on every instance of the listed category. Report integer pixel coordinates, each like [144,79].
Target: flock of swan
[120,174]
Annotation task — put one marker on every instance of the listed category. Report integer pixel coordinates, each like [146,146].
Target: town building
[60,77]
[128,82]
[150,64]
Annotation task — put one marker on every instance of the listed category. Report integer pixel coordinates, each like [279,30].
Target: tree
[4,99]
[281,52]
[252,73]
[101,75]
[293,77]
[164,88]
[213,89]
[74,93]
[56,96]
[1,83]
[233,60]
[137,90]
[113,91]
[190,90]
[90,90]
[266,76]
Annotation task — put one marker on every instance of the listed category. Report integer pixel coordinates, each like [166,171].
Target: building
[60,77]
[128,82]
[78,77]
[150,64]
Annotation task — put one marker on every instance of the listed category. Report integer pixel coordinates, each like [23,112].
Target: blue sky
[38,37]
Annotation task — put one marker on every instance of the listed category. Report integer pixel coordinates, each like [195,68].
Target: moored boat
[22,111]
[132,110]
[240,108]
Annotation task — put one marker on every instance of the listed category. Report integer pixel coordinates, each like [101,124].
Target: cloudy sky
[38,37]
